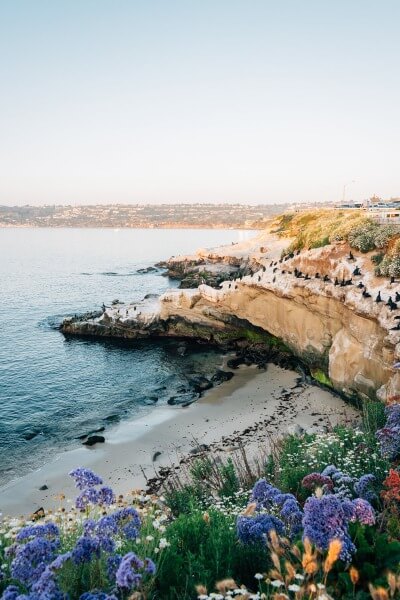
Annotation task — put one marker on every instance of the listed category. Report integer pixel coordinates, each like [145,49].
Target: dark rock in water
[147,270]
[182,349]
[220,376]
[152,398]
[156,455]
[171,401]
[186,404]
[181,389]
[148,296]
[85,435]
[116,301]
[30,435]
[199,383]
[43,487]
[112,419]
[94,439]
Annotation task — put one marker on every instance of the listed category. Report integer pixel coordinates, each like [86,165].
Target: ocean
[54,390]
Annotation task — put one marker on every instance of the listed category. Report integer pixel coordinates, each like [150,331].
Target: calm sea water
[52,390]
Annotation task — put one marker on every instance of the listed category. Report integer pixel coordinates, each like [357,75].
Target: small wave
[51,322]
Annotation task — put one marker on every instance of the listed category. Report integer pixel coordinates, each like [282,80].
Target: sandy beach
[251,406]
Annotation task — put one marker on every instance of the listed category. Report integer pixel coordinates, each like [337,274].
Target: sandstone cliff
[338,329]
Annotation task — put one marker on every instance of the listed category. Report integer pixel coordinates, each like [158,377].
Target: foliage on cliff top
[313,229]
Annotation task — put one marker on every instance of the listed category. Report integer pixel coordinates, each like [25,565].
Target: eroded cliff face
[336,328]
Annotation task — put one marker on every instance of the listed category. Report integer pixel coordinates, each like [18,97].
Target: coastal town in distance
[187,216]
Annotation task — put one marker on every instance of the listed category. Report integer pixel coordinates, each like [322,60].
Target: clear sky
[198,100]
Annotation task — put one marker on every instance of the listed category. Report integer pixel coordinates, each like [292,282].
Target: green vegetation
[321,377]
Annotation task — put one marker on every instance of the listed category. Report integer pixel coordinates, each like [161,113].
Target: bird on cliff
[351,257]
[336,281]
[349,281]
[393,306]
[298,252]
[316,275]
[264,269]
[396,328]
[283,272]
[326,278]
[357,271]
[392,279]
[259,278]
[274,270]
[273,279]
[378,298]
[397,298]
[307,276]
[271,263]
[361,285]
[389,302]
[365,294]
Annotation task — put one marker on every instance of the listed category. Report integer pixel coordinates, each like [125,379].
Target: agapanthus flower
[257,528]
[128,575]
[85,478]
[31,560]
[85,549]
[113,563]
[87,497]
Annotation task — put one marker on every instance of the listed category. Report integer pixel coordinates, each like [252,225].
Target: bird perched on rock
[392,279]
[316,275]
[389,302]
[271,263]
[378,298]
[356,271]
[336,281]
[361,285]
[351,257]
[342,283]
[365,294]
[397,298]
[273,279]
[307,276]
[259,278]
[274,270]
[396,328]
[349,282]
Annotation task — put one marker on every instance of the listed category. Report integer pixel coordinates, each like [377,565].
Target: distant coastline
[142,216]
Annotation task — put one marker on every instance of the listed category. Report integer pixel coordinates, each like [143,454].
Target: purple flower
[389,435]
[97,596]
[257,528]
[127,575]
[88,496]
[325,520]
[363,487]
[106,496]
[314,480]
[113,563]
[85,549]
[85,478]
[49,530]
[268,497]
[363,512]
[149,566]
[31,559]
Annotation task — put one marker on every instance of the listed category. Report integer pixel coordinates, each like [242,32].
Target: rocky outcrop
[337,330]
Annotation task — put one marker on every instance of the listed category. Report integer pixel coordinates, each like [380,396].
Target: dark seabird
[307,276]
[393,306]
[316,275]
[259,278]
[397,298]
[357,271]
[397,317]
[283,272]
[280,260]
[389,302]
[397,328]
[271,263]
[336,281]
[274,270]
[273,279]
[264,269]
[229,285]
[365,294]
[275,263]
[351,257]
[392,279]
[349,282]
[361,285]
[342,283]
[298,252]
[378,298]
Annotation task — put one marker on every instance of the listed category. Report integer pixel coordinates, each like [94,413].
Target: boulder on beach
[199,383]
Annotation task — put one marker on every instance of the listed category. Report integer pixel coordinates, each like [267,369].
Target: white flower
[163,543]
[294,587]
[149,538]
[320,586]
[258,576]
[277,583]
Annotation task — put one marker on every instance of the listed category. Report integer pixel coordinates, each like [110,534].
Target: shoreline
[250,407]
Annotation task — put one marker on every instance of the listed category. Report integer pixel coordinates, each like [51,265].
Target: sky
[252,101]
